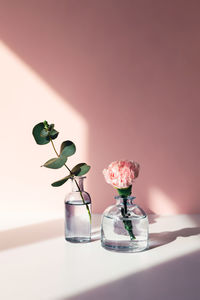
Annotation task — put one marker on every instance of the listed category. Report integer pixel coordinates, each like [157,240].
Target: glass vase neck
[121,200]
[78,184]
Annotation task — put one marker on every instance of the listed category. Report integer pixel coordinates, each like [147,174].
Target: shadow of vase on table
[166,237]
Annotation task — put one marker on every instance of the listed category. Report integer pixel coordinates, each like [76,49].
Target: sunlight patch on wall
[26,99]
[160,203]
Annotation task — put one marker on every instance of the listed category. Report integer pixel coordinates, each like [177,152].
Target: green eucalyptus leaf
[67,148]
[44,133]
[37,129]
[80,169]
[53,134]
[51,127]
[55,163]
[46,125]
[61,181]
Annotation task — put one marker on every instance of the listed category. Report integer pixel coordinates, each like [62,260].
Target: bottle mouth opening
[127,197]
[78,177]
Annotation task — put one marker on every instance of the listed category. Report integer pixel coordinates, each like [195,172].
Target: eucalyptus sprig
[43,134]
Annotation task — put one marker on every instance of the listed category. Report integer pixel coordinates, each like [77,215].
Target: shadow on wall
[177,279]
[131,68]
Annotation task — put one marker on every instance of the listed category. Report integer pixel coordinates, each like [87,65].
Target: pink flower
[121,173]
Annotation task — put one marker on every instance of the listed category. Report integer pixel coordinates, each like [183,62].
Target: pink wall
[131,69]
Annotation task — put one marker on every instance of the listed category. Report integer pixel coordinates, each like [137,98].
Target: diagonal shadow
[31,234]
[177,279]
[39,232]
[166,237]
[91,55]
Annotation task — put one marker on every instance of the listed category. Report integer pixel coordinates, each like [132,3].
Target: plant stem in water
[89,213]
[127,223]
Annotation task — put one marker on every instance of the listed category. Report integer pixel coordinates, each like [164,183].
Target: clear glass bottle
[78,213]
[124,226]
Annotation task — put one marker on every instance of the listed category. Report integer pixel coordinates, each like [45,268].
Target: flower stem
[89,213]
[127,223]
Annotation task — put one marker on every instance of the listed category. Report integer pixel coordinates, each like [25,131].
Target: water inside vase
[116,237]
[77,222]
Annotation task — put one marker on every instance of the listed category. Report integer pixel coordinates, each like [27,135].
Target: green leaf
[55,163]
[125,192]
[46,125]
[53,134]
[51,127]
[61,181]
[40,140]
[80,169]
[44,133]
[67,149]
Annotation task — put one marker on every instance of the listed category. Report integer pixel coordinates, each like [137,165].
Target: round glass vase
[124,226]
[78,213]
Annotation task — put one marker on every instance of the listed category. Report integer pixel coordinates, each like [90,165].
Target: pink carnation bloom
[121,173]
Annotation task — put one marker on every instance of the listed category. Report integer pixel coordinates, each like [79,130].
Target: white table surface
[36,263]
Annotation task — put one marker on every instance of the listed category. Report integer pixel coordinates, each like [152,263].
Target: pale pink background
[129,71]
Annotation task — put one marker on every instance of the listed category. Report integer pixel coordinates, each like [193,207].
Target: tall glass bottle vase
[124,226]
[78,213]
